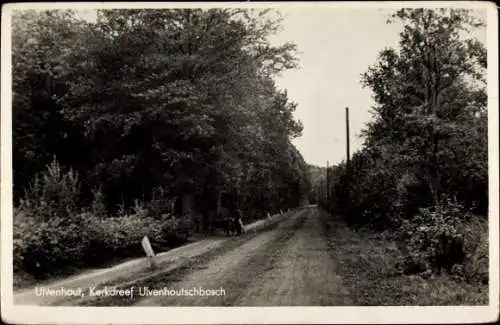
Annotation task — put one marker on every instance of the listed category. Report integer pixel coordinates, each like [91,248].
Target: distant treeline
[317,175]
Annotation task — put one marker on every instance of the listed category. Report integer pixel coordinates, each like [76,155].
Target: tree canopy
[183,100]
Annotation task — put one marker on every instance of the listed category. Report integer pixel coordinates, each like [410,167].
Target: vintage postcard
[256,163]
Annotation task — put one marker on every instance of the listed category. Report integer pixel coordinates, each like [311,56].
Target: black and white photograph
[290,155]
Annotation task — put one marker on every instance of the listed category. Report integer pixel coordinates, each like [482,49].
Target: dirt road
[288,266]
[289,263]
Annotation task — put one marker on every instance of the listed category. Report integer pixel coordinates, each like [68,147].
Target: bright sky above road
[336,46]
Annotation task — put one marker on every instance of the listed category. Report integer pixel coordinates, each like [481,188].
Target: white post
[149,252]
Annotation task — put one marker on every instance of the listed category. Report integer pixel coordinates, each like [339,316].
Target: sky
[335,47]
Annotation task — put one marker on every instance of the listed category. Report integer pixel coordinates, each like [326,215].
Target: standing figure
[239,222]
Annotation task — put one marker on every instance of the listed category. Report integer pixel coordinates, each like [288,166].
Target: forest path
[290,265]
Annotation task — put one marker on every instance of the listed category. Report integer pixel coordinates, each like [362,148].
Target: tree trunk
[434,182]
[219,201]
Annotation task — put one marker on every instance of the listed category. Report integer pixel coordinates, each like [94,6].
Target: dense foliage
[427,143]
[149,105]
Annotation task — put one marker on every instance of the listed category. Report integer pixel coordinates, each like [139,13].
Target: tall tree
[430,93]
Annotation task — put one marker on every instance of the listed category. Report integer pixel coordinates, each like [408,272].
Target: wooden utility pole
[348,156]
[327,185]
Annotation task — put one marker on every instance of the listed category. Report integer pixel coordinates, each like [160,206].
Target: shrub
[22,228]
[476,268]
[176,230]
[433,240]
[53,194]
[43,246]
[98,204]
[119,236]
[371,191]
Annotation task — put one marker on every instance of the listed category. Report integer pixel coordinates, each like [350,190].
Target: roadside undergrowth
[366,261]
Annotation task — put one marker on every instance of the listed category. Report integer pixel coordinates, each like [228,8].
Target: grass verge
[366,263]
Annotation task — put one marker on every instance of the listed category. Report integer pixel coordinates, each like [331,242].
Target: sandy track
[287,266]
[302,275]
